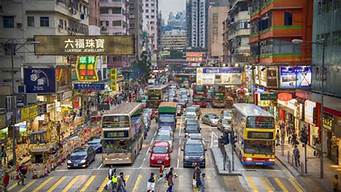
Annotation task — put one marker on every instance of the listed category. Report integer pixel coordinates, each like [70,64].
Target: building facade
[197,21]
[150,22]
[114,17]
[94,13]
[135,24]
[217,13]
[175,39]
[238,24]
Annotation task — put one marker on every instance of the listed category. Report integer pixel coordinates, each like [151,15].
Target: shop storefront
[290,112]
[332,129]
[310,122]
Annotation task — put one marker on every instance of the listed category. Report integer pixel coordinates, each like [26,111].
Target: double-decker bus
[122,134]
[218,99]
[254,129]
[167,114]
[200,95]
[156,94]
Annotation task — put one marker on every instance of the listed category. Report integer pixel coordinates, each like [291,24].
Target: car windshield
[77,155]
[94,142]
[163,138]
[194,149]
[213,116]
[190,115]
[160,149]
[191,109]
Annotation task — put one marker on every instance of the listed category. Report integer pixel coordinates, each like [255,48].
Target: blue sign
[222,70]
[292,77]
[40,80]
[89,86]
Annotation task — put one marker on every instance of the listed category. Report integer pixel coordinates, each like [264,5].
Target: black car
[194,153]
[95,143]
[81,157]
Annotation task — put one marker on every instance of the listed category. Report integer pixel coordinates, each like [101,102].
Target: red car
[160,154]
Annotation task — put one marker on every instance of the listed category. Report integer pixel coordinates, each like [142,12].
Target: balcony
[237,33]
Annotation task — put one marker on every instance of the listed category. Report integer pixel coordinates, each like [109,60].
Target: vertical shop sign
[113,78]
[40,80]
[86,69]
[328,121]
[2,121]
[42,109]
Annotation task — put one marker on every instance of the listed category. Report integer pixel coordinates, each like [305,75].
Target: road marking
[266,184]
[100,166]
[137,183]
[72,182]
[56,184]
[179,148]
[296,185]
[87,184]
[126,178]
[42,184]
[27,186]
[151,143]
[251,183]
[104,183]
[12,187]
[280,184]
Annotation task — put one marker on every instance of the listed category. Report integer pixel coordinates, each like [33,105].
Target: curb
[292,172]
[220,172]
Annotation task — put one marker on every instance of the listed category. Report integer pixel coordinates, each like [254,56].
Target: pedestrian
[202,188]
[151,183]
[170,180]
[111,172]
[296,153]
[5,181]
[114,181]
[277,138]
[121,183]
[21,178]
[336,183]
[162,167]
[197,175]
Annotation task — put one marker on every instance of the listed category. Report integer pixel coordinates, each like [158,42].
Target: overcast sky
[166,6]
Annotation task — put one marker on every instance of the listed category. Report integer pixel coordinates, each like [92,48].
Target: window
[147,11]
[104,10]
[30,21]
[8,21]
[287,18]
[116,23]
[60,25]
[116,10]
[44,22]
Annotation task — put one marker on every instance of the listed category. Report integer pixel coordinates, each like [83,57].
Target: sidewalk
[310,181]
[219,162]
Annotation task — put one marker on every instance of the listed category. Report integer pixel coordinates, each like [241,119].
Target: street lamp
[323,44]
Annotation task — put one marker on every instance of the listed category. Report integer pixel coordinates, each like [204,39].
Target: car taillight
[152,157]
[167,158]
[248,159]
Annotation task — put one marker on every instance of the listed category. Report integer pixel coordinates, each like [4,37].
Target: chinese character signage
[84,45]
[40,80]
[28,113]
[292,77]
[86,68]
[219,76]
[3,121]
[113,78]
[89,86]
[268,96]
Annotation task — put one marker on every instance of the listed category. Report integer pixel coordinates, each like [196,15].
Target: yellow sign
[28,113]
[2,121]
[113,78]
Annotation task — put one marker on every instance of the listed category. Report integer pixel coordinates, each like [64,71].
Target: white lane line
[151,143]
[179,148]
[100,166]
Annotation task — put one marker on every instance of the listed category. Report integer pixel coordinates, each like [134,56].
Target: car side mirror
[182,149]
[205,149]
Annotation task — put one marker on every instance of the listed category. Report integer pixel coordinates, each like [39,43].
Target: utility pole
[12,47]
[323,71]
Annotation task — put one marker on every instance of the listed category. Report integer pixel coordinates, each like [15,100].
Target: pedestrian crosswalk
[265,184]
[81,183]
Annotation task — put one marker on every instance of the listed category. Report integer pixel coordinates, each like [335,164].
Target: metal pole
[321,116]
[305,159]
[232,148]
[13,47]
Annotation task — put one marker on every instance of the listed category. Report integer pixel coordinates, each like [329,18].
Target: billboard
[292,77]
[40,80]
[195,57]
[86,68]
[219,76]
[84,45]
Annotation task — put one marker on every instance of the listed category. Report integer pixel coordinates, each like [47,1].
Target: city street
[94,177]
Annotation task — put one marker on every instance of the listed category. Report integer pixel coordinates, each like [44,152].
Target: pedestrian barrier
[298,166]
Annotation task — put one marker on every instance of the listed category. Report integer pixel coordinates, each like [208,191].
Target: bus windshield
[115,121]
[258,147]
[260,122]
[167,118]
[117,146]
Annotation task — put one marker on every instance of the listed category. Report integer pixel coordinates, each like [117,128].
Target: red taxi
[160,154]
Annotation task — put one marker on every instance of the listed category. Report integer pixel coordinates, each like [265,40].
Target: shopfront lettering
[328,121]
[2,121]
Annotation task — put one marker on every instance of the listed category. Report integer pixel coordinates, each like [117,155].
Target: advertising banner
[40,80]
[113,79]
[292,77]
[63,78]
[84,45]
[219,76]
[86,68]
[29,113]
[309,107]
[3,121]
[89,86]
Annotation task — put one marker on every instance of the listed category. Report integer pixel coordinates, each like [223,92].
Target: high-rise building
[94,13]
[150,22]
[175,39]
[135,24]
[197,16]
[217,13]
[238,25]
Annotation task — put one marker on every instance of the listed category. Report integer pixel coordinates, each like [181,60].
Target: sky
[166,6]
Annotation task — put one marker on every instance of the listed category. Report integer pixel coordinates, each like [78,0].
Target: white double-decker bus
[122,134]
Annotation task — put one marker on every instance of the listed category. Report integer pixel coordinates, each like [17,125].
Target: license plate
[75,164]
[159,161]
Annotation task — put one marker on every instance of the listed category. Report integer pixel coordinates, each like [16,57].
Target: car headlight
[248,159]
[83,161]
[186,157]
[202,157]
[69,162]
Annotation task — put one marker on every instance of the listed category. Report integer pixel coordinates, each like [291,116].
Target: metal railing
[297,164]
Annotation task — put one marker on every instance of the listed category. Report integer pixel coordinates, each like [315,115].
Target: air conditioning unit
[19,25]
[103,28]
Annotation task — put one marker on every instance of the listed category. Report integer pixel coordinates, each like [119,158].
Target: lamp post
[323,74]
